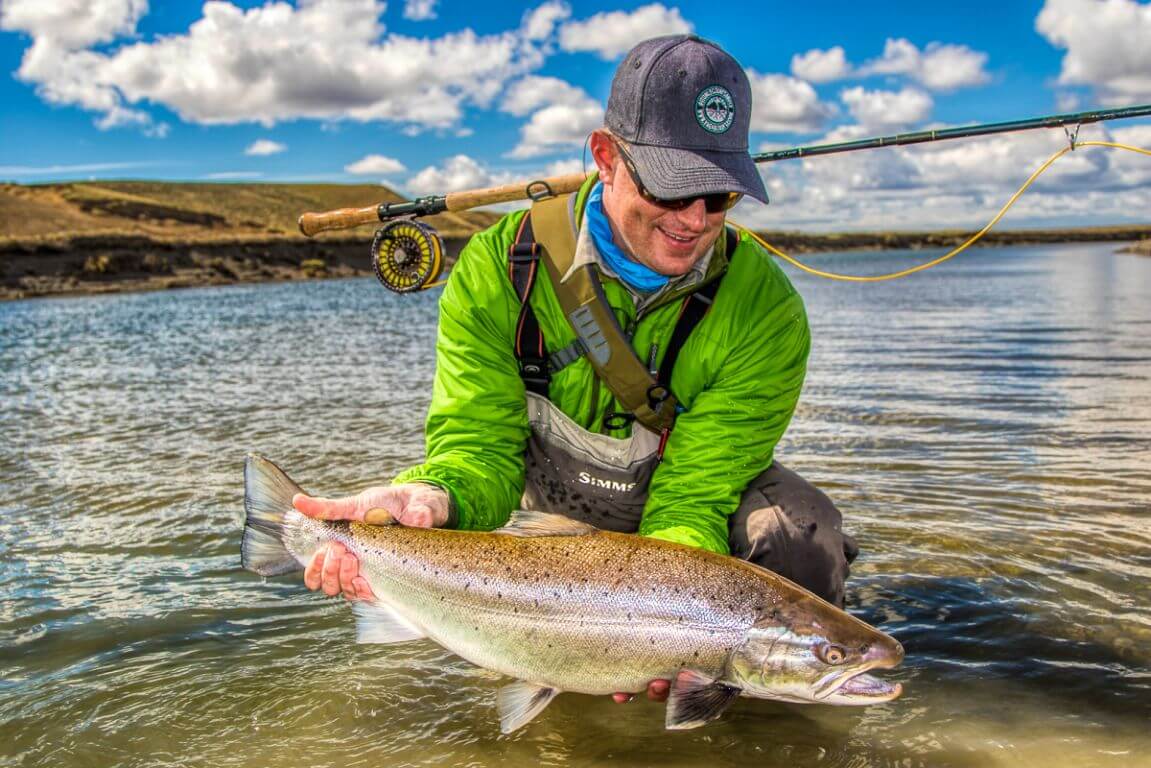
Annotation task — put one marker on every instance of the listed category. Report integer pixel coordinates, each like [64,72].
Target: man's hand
[657,690]
[337,571]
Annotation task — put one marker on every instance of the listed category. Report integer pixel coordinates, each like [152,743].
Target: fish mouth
[858,687]
[863,689]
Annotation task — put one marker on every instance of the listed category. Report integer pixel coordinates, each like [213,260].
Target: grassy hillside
[110,236]
[192,212]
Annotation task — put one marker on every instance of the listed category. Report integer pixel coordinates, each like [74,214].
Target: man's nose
[693,217]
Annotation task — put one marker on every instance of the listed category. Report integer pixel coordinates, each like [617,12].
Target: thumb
[346,508]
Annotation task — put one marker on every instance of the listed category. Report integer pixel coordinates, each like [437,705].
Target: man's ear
[603,153]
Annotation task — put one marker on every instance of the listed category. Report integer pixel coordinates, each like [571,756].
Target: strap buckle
[656,395]
[524,253]
[618,420]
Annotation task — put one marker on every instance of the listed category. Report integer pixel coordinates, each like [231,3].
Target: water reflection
[984,426]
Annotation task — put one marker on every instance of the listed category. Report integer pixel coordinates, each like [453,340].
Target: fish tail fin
[268,493]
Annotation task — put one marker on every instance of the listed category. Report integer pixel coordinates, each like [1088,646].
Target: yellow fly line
[959,249]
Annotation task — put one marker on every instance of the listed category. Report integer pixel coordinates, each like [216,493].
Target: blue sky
[430,96]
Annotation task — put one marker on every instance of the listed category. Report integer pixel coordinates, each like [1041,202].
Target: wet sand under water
[985,427]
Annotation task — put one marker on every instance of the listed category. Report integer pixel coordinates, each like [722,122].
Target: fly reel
[407,255]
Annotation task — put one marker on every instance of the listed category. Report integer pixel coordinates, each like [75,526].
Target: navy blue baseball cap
[683,106]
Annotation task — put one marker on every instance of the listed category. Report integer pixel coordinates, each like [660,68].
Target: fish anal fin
[527,524]
[519,702]
[696,699]
[379,623]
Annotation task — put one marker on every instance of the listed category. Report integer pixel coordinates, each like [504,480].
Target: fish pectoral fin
[379,623]
[526,523]
[519,702]
[696,699]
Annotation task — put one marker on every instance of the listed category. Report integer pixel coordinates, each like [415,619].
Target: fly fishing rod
[407,255]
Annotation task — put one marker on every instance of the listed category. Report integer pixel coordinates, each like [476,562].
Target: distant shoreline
[90,265]
[77,238]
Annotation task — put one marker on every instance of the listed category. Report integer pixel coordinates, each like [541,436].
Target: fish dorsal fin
[519,702]
[696,699]
[379,623]
[527,524]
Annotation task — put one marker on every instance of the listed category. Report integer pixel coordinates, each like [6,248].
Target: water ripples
[984,426]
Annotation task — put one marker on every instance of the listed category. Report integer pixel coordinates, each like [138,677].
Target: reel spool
[407,255]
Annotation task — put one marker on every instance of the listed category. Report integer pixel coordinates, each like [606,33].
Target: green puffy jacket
[738,376]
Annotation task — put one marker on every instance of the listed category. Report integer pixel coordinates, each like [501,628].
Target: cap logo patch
[714,109]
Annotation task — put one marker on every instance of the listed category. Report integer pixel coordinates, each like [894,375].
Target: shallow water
[985,426]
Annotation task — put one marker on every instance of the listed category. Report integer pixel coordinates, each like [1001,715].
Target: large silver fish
[562,606]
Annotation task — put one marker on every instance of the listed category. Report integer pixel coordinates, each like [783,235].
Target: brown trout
[561,606]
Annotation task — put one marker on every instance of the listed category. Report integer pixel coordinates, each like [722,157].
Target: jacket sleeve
[727,435]
[477,425]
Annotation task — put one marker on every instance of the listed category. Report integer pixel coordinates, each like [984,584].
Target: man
[534,398]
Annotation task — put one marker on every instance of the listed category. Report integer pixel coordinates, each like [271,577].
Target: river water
[985,426]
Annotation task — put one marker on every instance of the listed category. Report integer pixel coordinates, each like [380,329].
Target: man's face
[669,242]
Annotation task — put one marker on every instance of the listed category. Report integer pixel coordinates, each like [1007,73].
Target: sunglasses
[716,202]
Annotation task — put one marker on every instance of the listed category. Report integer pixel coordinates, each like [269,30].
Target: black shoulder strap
[695,306]
[523,265]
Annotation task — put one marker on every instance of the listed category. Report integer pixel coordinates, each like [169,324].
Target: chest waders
[783,523]
[591,477]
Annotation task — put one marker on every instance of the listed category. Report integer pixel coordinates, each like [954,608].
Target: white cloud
[420,10]
[73,24]
[371,165]
[47,170]
[887,109]
[263,147]
[614,33]
[321,59]
[232,175]
[818,66]
[1108,45]
[957,184]
[783,103]
[533,92]
[457,173]
[563,115]
[539,23]
[939,67]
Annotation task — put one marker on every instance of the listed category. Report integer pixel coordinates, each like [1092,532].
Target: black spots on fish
[499,595]
[695,654]
[629,615]
[467,585]
[651,639]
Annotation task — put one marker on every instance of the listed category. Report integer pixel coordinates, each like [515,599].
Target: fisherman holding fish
[622,357]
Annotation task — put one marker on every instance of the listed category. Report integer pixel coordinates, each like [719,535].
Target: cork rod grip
[342,218]
[462,201]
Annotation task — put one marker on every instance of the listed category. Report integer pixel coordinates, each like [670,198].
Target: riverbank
[110,237]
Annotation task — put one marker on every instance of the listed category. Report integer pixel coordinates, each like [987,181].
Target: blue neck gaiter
[633,273]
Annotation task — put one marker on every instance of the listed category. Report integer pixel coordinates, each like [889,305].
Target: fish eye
[831,654]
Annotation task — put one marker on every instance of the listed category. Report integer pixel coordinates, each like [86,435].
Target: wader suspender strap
[586,308]
[523,264]
[649,399]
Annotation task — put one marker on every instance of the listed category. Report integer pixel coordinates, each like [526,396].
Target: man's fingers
[312,572]
[657,690]
[349,569]
[330,574]
[362,590]
[622,698]
[346,508]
